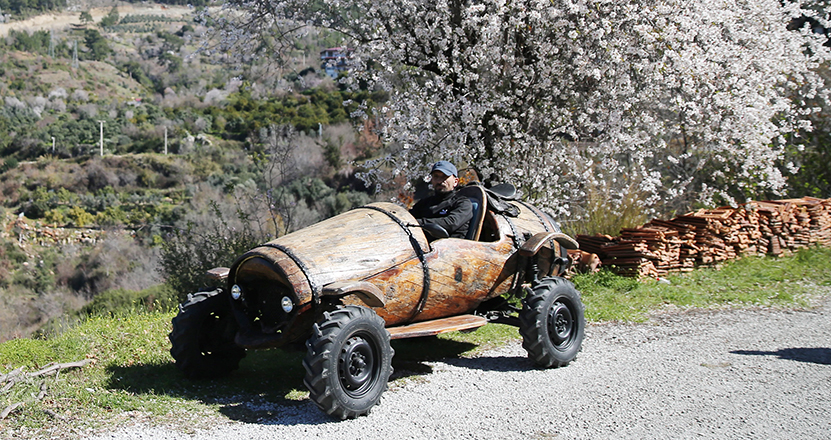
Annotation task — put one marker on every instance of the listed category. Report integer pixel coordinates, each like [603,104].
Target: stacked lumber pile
[794,223]
[594,244]
[708,237]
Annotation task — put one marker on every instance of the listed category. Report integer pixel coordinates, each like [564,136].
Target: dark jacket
[452,211]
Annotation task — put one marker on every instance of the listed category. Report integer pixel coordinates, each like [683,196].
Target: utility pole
[75,54]
[53,144]
[165,140]
[101,137]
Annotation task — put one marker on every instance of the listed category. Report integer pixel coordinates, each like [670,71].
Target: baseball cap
[445,167]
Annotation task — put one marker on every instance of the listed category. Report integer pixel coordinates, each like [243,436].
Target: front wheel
[348,362]
[202,340]
[552,322]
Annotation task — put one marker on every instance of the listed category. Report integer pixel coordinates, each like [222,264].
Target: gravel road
[756,373]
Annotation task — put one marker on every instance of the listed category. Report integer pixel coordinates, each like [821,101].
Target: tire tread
[533,324]
[324,335]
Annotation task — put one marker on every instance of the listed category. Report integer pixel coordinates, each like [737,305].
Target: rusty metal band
[425,289]
[303,268]
[515,238]
[537,213]
[542,218]
[514,233]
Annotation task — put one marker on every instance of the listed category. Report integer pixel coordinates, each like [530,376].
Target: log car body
[373,248]
[375,265]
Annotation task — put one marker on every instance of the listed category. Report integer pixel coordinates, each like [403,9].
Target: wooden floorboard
[434,327]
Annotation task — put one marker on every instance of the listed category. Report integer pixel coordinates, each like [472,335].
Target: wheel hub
[356,363]
[560,323]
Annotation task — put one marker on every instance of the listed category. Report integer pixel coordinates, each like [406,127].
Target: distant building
[334,60]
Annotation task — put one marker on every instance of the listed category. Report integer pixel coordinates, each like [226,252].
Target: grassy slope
[133,374]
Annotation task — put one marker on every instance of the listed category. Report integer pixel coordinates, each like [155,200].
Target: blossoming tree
[675,101]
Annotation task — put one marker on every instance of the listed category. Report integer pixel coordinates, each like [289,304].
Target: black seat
[478,199]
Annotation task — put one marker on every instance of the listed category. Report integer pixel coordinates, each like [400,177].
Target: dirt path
[62,20]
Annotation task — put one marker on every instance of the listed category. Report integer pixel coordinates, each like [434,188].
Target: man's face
[441,182]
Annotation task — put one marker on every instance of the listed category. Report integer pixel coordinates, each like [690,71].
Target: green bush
[38,277]
[79,217]
[55,217]
[9,163]
[189,252]
[111,19]
[13,252]
[112,216]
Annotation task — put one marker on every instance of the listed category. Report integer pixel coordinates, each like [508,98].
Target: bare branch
[58,367]
[5,413]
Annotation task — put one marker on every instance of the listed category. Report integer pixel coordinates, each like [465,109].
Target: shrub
[54,217]
[8,164]
[112,216]
[79,217]
[187,253]
[38,277]
[12,253]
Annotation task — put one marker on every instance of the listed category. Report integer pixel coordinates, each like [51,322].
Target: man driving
[446,207]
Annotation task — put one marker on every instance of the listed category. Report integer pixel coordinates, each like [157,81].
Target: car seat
[478,199]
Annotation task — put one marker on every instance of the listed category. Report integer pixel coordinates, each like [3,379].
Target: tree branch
[58,367]
[9,409]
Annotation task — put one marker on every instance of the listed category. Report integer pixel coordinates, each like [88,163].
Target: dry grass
[605,213]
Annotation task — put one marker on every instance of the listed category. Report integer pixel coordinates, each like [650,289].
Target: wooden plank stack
[708,237]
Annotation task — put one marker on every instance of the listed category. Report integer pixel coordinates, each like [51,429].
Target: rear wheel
[202,340]
[552,322]
[348,362]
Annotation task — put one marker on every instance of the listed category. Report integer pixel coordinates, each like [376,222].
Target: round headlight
[287,304]
[236,292]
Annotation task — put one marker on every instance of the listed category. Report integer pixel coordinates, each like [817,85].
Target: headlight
[287,304]
[236,292]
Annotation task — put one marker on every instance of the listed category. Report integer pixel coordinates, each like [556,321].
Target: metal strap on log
[517,240]
[544,223]
[425,290]
[312,284]
[541,218]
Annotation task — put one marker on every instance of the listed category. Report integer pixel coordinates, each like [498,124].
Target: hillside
[76,224]
[61,21]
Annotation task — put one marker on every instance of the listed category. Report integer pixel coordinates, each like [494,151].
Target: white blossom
[683,99]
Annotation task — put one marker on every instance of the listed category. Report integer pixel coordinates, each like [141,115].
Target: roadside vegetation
[131,375]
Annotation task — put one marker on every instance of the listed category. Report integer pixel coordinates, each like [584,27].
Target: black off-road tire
[348,362]
[202,340]
[552,322]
